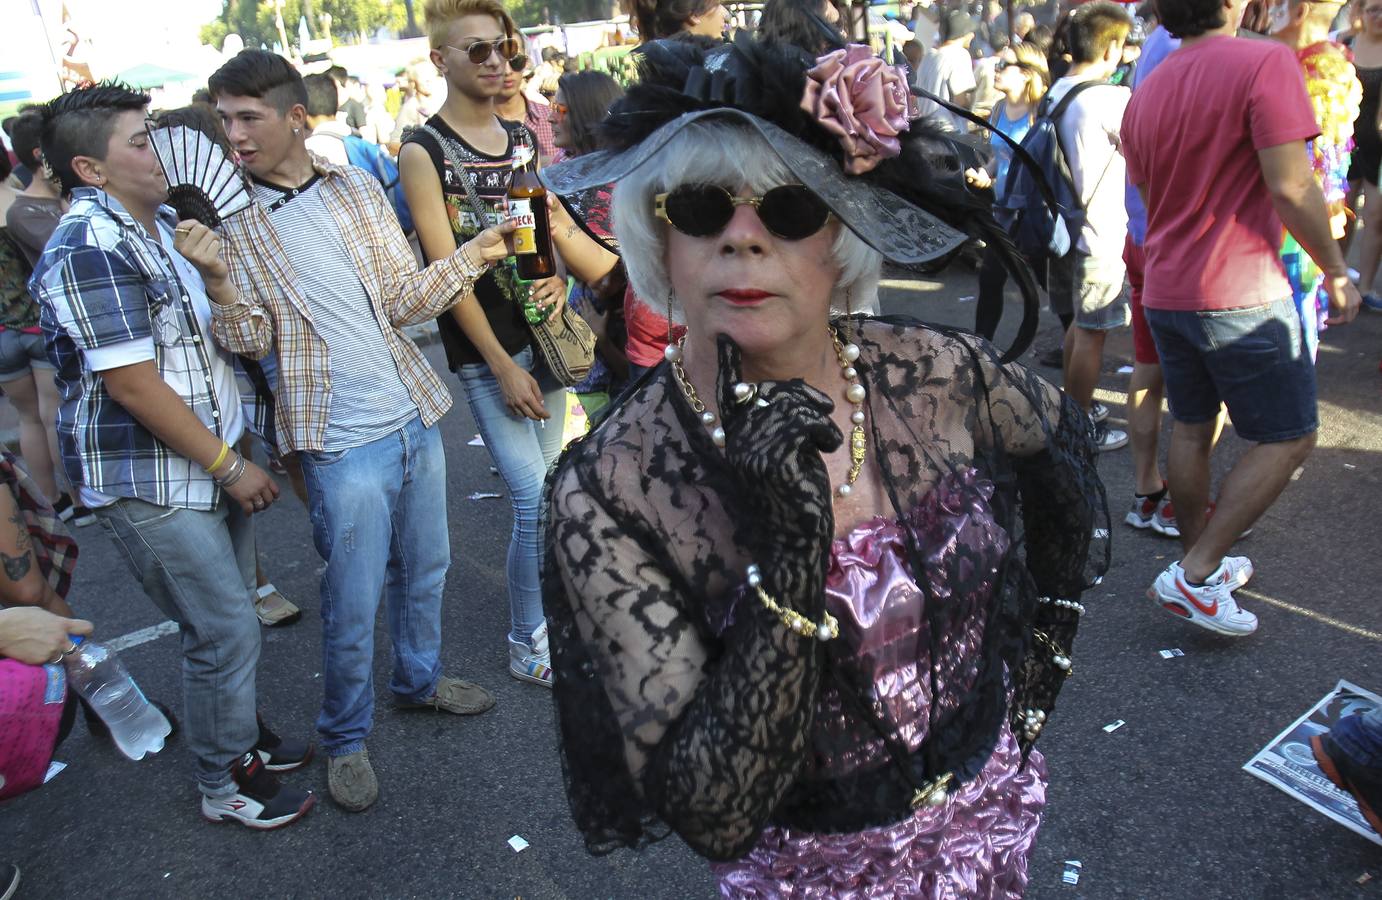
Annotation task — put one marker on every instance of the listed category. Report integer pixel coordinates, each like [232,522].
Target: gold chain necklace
[854,393]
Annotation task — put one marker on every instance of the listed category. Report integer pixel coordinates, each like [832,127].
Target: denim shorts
[1089,290]
[19,353]
[1251,358]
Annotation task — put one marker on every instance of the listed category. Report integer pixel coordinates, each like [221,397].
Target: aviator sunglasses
[790,211]
[479,52]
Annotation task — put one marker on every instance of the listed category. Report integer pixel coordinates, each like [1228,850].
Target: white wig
[734,157]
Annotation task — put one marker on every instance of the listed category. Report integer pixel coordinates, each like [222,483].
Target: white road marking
[1311,614]
[142,636]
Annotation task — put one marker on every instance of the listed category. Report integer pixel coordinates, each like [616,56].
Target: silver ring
[71,648]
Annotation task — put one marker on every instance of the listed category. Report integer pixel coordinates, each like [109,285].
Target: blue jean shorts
[1090,290]
[1251,359]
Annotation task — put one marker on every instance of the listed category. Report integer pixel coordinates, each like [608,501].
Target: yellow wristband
[220,458]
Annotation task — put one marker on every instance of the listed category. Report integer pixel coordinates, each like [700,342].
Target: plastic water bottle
[136,725]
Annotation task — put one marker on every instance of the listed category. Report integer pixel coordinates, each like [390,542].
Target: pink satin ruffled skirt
[975,846]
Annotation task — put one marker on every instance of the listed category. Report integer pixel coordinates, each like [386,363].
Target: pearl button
[707,418]
[718,437]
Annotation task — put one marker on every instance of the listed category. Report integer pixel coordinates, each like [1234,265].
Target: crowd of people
[807,593]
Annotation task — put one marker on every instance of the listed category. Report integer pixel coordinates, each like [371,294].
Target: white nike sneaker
[1210,605]
[1239,570]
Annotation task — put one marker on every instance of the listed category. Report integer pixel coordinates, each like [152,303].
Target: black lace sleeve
[711,727]
[1065,539]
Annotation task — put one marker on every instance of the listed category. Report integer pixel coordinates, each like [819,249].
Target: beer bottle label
[525,236]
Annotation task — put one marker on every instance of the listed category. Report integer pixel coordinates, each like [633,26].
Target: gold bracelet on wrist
[828,629]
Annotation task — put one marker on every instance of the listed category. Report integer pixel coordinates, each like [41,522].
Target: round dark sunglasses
[790,211]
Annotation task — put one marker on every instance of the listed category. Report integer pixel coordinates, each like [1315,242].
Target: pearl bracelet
[1063,604]
[828,629]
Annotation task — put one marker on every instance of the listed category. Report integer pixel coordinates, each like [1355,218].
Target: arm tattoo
[21,533]
[16,567]
[571,231]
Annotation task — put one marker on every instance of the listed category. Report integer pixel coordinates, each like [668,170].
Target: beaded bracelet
[828,629]
[1077,606]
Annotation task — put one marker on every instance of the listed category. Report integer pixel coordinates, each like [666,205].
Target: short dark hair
[260,74]
[791,22]
[1190,18]
[5,166]
[588,96]
[26,136]
[1093,27]
[338,74]
[322,96]
[80,123]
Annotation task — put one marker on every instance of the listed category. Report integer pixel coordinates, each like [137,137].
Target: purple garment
[976,844]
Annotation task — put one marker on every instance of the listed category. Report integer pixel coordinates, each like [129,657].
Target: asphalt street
[1158,808]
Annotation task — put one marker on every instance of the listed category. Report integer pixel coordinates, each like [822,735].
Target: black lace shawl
[669,723]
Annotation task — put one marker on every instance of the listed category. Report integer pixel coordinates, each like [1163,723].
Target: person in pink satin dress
[812,583]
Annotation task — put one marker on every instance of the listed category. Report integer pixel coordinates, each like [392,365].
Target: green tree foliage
[351,20]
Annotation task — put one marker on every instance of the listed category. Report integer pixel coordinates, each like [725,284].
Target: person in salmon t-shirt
[1219,185]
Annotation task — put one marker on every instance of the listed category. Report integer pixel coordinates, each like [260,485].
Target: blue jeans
[198,569]
[1252,358]
[522,451]
[379,521]
[1360,736]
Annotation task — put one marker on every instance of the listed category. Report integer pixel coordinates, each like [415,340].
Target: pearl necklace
[743,393]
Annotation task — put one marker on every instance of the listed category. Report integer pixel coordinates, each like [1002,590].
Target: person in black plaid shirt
[150,412]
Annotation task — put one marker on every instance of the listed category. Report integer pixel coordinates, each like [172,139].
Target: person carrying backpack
[333,140]
[1086,284]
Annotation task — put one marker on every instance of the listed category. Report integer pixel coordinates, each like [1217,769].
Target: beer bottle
[532,241]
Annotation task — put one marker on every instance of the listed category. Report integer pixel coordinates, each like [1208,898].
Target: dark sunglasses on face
[480,51]
[519,62]
[1003,64]
[790,211]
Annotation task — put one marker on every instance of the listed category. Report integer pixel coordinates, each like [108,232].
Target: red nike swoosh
[1211,610]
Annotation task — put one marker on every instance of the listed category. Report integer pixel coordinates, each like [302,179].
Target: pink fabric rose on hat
[862,100]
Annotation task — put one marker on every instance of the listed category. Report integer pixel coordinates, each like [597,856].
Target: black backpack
[1041,210]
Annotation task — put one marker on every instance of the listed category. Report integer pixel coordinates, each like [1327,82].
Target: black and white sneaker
[259,801]
[1098,412]
[9,880]
[1106,438]
[279,755]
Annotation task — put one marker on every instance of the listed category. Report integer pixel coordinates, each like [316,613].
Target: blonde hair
[440,14]
[1033,62]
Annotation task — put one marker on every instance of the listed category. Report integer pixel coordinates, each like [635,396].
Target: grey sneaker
[453,695]
[351,781]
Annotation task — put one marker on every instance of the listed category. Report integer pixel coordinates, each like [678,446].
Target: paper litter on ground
[485,495]
[518,844]
[54,767]
[1072,871]
[1114,726]
[1168,654]
[1125,370]
[476,441]
[1288,762]
[967,299]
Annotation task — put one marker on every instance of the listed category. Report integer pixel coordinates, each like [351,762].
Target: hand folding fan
[204,183]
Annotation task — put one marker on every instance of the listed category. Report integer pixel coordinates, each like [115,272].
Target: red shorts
[1143,347]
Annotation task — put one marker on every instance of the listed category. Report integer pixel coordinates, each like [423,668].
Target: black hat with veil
[841,125]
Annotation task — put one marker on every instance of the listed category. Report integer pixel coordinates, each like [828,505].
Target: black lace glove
[774,441]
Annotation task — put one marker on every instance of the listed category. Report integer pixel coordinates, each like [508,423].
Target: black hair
[323,99]
[1093,27]
[7,125]
[588,96]
[795,22]
[1190,18]
[26,136]
[338,74]
[260,74]
[656,19]
[80,123]
[5,166]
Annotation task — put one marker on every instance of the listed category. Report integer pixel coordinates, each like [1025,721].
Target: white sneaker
[1210,605]
[1239,570]
[532,661]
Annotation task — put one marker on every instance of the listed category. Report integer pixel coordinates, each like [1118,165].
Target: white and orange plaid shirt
[271,313]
